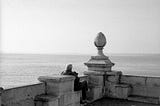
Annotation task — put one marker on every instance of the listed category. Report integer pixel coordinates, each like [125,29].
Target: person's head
[69,68]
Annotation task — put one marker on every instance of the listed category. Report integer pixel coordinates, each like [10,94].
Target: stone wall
[22,96]
[143,85]
[55,90]
[135,88]
[58,90]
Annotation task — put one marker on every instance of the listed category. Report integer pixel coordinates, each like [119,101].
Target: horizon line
[122,54]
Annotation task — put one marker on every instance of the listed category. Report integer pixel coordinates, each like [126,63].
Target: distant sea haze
[22,69]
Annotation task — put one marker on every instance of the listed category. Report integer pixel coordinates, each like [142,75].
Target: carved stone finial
[100,42]
[100,62]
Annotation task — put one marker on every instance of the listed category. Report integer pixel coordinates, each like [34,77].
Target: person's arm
[75,74]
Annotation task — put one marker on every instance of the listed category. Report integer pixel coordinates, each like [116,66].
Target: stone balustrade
[58,90]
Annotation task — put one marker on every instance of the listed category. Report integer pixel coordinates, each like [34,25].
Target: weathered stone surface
[143,86]
[114,73]
[95,93]
[113,79]
[94,80]
[153,81]
[122,91]
[109,89]
[70,98]
[133,80]
[59,88]
[114,90]
[75,104]
[46,100]
[153,86]
[153,91]
[56,78]
[58,84]
[99,65]
[97,73]
[22,95]
[139,90]
[113,76]
[26,102]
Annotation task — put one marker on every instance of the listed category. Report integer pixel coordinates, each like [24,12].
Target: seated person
[77,84]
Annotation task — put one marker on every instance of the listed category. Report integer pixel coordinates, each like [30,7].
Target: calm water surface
[22,69]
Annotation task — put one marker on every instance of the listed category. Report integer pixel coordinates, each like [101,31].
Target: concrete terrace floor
[118,102]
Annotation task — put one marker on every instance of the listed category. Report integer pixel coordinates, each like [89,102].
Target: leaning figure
[77,84]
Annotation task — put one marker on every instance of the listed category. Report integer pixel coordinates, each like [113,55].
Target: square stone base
[120,91]
[95,93]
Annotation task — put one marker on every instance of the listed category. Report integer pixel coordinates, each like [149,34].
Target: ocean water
[23,69]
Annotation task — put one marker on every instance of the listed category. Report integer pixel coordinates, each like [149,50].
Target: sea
[23,69]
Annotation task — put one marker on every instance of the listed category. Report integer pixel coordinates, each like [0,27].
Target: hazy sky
[70,26]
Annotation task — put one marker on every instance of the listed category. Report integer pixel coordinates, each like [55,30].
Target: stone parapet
[143,85]
[58,84]
[59,91]
[56,78]
[22,96]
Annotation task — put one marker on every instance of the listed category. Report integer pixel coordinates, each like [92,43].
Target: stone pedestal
[59,91]
[98,66]
[58,84]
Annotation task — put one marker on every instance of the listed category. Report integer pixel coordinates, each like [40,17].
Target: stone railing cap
[56,78]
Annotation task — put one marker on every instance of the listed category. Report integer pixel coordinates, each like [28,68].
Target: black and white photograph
[79,52]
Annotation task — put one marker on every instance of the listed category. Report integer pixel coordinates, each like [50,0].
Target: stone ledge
[122,85]
[114,73]
[56,78]
[97,73]
[83,77]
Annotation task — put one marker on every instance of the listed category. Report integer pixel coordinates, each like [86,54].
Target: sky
[70,26]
